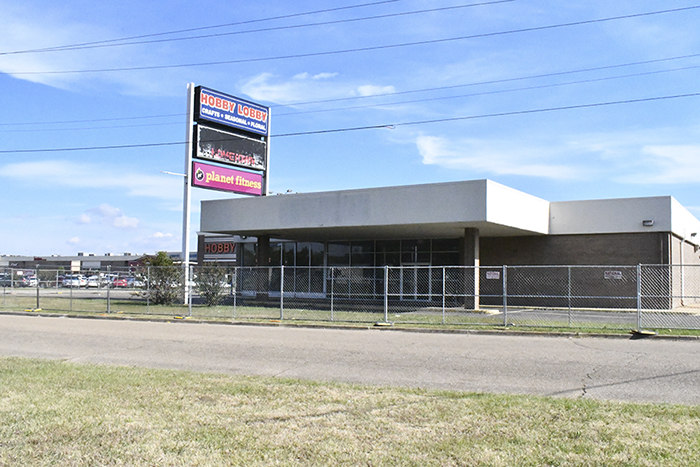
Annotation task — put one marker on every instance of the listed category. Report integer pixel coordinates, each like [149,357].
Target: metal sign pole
[266,187]
[187,191]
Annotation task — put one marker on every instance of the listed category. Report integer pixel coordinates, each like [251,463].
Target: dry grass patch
[54,413]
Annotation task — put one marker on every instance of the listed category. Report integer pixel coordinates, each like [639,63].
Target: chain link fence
[590,297]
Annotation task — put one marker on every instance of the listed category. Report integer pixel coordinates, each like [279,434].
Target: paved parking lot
[653,369]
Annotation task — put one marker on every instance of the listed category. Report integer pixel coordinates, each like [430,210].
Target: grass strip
[58,413]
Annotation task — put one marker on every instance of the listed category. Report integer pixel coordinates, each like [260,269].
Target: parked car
[74,280]
[120,282]
[94,282]
[27,281]
[134,282]
[5,280]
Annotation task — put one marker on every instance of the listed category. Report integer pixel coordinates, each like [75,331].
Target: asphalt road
[652,369]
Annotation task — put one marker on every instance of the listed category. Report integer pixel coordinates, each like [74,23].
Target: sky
[562,100]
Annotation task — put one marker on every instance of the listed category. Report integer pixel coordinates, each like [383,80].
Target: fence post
[568,293]
[332,297]
[37,291]
[234,288]
[188,287]
[148,289]
[386,294]
[282,292]
[639,297]
[505,295]
[109,286]
[443,294]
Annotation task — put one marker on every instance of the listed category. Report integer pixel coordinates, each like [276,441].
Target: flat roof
[439,210]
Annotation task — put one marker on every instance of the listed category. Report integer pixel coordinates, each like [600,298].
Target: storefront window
[339,254]
[362,253]
[249,255]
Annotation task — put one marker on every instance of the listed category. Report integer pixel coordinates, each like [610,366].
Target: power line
[500,114]
[396,93]
[495,81]
[180,31]
[486,93]
[92,120]
[362,49]
[413,101]
[382,126]
[270,29]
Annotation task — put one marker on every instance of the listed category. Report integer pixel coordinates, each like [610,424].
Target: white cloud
[73,241]
[70,174]
[304,86]
[325,76]
[667,164]
[264,87]
[490,157]
[111,216]
[371,90]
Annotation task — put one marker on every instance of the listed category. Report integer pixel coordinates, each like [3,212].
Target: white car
[74,280]
[94,282]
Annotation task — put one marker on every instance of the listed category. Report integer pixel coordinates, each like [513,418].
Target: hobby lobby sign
[231,111]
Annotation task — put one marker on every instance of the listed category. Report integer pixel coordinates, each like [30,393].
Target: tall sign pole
[266,186]
[188,191]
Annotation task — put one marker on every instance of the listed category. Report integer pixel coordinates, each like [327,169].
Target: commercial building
[470,223]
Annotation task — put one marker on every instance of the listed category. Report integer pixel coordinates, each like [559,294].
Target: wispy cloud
[70,174]
[305,86]
[671,164]
[493,158]
[110,216]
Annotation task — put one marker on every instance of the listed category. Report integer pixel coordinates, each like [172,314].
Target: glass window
[415,246]
[303,254]
[362,259]
[388,246]
[445,259]
[317,251]
[275,253]
[288,254]
[388,259]
[339,254]
[446,244]
[363,247]
[249,256]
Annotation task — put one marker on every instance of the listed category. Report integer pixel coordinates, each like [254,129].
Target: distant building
[80,262]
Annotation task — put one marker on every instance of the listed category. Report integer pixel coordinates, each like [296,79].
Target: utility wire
[394,93]
[276,28]
[500,114]
[495,81]
[387,104]
[180,31]
[486,93]
[382,126]
[362,49]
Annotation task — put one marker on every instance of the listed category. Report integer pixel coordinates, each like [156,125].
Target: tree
[211,280]
[164,279]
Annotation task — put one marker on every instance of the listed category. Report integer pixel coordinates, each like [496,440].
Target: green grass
[54,413]
[298,312]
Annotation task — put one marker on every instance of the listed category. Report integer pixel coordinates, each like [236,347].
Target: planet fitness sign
[223,179]
[230,111]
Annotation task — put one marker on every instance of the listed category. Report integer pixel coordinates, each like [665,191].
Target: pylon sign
[229,130]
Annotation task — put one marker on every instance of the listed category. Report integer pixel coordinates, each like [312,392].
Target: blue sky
[502,64]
